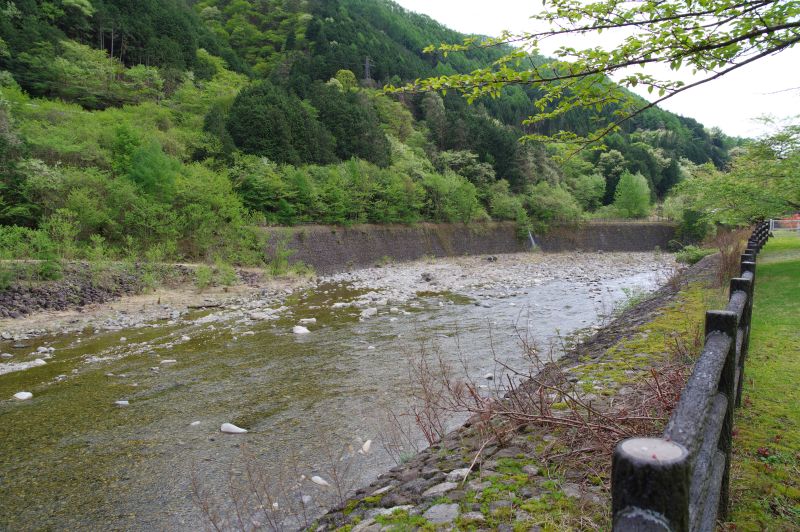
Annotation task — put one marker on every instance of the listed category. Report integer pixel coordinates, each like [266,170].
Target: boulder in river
[369,312]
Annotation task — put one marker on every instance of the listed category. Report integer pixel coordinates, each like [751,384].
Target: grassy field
[766,464]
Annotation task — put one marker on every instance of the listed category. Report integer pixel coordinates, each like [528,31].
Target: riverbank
[122,300]
[542,460]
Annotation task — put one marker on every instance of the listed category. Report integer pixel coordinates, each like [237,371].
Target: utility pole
[367,64]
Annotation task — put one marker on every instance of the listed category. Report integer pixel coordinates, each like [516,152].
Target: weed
[203,275]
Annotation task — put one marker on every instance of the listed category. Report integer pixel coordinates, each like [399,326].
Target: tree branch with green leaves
[710,37]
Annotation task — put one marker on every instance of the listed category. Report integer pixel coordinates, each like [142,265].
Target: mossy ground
[766,461]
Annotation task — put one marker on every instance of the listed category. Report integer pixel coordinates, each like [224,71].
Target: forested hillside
[170,129]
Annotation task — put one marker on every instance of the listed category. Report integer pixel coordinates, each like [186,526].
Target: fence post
[725,322]
[650,485]
[746,286]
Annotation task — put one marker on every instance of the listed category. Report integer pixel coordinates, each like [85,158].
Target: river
[70,458]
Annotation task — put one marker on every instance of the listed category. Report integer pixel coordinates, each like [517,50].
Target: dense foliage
[171,129]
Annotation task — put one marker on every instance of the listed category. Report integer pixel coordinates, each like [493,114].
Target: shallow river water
[70,458]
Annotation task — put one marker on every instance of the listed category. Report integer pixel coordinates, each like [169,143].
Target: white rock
[121,403]
[369,312]
[230,428]
[371,348]
[340,305]
[6,355]
[307,321]
[168,361]
[42,350]
[366,447]
[489,376]
[6,335]
[185,338]
[194,423]
[320,481]
[38,362]
[457,475]
[299,329]
[23,396]
[123,339]
[394,310]
[248,333]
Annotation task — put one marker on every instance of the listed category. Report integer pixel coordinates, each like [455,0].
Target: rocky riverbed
[132,395]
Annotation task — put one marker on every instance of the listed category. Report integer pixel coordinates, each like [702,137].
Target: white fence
[787,224]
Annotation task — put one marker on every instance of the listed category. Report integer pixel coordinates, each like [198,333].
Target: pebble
[194,423]
[168,361]
[318,480]
[121,403]
[23,396]
[230,428]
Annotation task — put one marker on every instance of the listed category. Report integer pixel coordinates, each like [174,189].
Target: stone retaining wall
[331,249]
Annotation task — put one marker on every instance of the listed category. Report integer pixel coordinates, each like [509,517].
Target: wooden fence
[680,482]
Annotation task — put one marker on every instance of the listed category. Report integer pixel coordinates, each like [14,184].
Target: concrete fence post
[746,286]
[727,323]
[650,485]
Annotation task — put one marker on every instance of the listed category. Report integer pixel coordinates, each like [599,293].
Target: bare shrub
[731,245]
[256,498]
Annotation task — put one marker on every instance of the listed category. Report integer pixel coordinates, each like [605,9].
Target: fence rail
[680,482]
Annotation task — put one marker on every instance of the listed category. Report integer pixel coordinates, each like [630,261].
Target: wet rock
[441,513]
[319,481]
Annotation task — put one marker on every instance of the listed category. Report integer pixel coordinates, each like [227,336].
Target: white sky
[769,86]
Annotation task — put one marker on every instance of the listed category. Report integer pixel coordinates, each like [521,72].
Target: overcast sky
[770,86]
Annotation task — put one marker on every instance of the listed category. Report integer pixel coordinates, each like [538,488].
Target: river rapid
[71,458]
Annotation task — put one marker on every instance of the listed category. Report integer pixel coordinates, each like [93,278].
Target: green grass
[766,463]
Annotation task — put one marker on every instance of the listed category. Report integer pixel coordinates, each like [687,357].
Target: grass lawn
[765,471]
